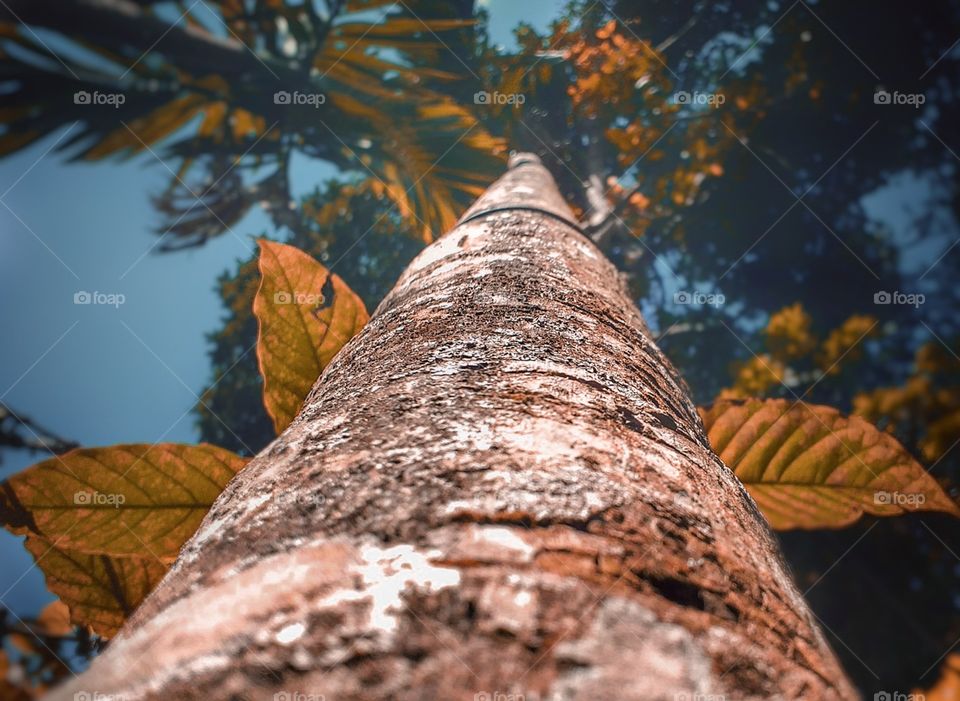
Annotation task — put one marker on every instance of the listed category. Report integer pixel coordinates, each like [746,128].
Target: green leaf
[809,466]
[306,315]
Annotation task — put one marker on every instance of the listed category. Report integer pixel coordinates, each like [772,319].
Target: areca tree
[209,87]
[498,488]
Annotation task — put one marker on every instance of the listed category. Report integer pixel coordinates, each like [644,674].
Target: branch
[36,438]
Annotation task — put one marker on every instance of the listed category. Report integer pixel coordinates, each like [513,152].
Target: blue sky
[129,374]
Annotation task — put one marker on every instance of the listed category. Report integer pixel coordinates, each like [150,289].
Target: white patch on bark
[385,574]
[486,543]
[478,436]
[505,538]
[289,633]
[586,249]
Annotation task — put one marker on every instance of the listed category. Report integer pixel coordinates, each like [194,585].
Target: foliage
[789,334]
[808,466]
[893,560]
[105,523]
[221,131]
[363,237]
[39,647]
[796,354]
[926,406]
[618,124]
[306,315]
[947,687]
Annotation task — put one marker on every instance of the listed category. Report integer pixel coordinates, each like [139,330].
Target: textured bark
[500,486]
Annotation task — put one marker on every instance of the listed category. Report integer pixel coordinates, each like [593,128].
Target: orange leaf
[100,591]
[809,466]
[306,315]
[947,687]
[55,619]
[125,500]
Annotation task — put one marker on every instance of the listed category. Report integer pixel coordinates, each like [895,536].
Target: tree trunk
[499,487]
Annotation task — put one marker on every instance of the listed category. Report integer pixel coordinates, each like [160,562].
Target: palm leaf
[372,70]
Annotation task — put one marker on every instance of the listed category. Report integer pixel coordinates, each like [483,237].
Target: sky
[128,370]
